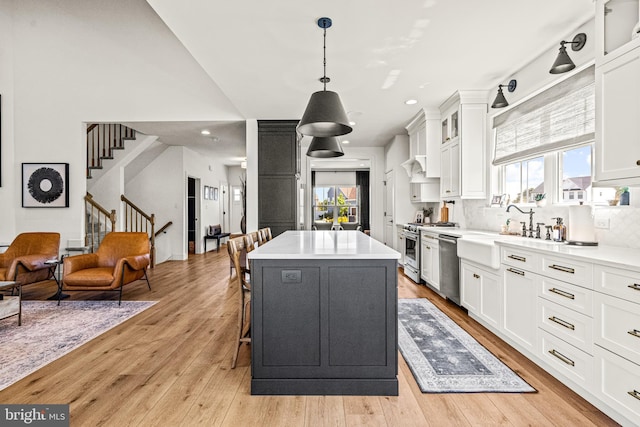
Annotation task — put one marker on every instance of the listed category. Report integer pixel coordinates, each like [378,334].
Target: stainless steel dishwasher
[449,267]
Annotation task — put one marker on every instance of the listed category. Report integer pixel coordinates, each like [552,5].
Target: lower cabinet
[480,292]
[519,302]
[430,260]
[619,383]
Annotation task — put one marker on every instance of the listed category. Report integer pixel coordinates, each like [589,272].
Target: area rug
[50,331]
[445,359]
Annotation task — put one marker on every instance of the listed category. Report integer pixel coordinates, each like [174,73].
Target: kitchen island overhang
[324,315]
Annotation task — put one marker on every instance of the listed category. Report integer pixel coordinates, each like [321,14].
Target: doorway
[193,185]
[236,208]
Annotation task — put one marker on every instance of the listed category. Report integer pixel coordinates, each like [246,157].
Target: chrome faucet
[530,213]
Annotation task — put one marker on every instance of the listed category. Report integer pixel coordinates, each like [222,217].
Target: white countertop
[343,244]
[614,256]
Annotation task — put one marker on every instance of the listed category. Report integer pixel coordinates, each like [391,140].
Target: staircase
[102,139]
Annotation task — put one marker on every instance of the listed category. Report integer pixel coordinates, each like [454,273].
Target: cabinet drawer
[565,359]
[617,326]
[571,326]
[520,259]
[619,384]
[569,270]
[624,284]
[567,295]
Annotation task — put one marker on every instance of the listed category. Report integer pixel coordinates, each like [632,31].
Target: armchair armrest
[137,262]
[33,262]
[80,262]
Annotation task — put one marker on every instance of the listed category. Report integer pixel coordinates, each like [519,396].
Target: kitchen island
[324,315]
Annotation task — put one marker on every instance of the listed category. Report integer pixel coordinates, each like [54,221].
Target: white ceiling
[266,56]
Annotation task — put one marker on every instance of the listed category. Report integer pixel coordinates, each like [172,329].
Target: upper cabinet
[464,145]
[617,159]
[424,142]
[617,28]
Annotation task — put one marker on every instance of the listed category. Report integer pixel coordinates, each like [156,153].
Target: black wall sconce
[501,101]
[563,63]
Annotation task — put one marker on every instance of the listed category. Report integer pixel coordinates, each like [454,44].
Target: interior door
[389,238]
[224,206]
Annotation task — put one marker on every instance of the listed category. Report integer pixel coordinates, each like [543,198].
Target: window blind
[561,117]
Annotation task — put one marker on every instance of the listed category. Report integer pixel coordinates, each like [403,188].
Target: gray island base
[324,315]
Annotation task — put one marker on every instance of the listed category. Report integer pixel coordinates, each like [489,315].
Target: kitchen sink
[480,248]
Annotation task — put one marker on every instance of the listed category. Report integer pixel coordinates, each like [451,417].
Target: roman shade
[560,117]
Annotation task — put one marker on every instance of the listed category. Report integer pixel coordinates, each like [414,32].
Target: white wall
[7,193]
[84,61]
[234,173]
[397,152]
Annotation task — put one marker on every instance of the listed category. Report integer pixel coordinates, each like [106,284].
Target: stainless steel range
[412,252]
[412,247]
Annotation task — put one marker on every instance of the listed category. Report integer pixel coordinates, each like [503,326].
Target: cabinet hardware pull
[476,276]
[634,286]
[448,191]
[513,270]
[562,357]
[562,293]
[638,162]
[635,333]
[562,323]
[563,269]
[635,393]
[518,258]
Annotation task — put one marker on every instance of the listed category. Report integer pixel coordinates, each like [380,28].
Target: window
[550,137]
[339,203]
[523,180]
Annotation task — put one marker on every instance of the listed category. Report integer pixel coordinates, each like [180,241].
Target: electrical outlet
[602,223]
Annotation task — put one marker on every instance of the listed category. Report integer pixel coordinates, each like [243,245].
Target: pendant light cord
[324,57]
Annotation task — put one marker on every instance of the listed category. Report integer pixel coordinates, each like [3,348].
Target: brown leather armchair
[122,258]
[24,261]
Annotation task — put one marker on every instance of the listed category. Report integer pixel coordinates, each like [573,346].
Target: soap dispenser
[559,231]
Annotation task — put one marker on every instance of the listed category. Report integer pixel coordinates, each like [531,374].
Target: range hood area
[416,168]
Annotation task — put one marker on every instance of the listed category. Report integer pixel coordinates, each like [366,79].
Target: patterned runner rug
[445,359]
[50,331]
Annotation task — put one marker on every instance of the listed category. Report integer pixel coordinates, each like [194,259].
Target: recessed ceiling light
[411,101]
[205,132]
[352,123]
[345,142]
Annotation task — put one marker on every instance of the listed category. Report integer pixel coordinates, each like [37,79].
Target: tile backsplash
[624,221]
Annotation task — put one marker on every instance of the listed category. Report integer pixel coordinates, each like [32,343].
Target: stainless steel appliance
[449,267]
[412,252]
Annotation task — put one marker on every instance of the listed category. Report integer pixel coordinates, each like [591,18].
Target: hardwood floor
[170,366]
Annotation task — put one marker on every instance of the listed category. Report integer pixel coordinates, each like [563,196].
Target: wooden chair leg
[238,337]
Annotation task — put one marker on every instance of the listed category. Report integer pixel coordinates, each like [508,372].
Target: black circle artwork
[40,179]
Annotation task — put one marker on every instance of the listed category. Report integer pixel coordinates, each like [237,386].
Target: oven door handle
[447,239]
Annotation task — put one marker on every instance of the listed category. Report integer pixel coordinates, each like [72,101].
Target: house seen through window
[336,204]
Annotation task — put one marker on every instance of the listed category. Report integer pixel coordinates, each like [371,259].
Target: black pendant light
[563,63]
[325,146]
[324,115]
[501,101]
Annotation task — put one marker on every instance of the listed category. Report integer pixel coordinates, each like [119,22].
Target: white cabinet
[430,259]
[425,192]
[424,141]
[617,124]
[617,28]
[401,246]
[464,166]
[519,304]
[450,169]
[480,292]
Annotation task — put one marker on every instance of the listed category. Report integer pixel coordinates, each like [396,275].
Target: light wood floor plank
[170,365]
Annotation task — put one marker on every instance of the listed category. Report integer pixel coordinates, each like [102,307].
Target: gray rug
[445,359]
[50,331]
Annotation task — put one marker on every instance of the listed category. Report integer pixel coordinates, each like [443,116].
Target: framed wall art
[207,192]
[45,185]
[214,193]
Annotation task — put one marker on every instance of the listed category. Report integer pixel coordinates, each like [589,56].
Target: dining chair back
[235,248]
